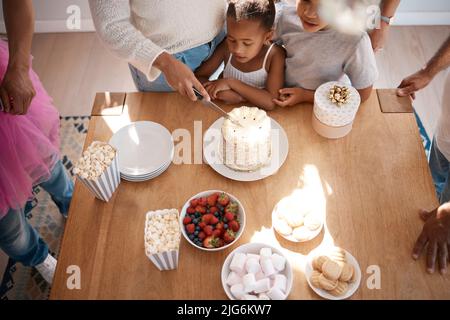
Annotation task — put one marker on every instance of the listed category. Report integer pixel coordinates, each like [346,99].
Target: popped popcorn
[95,160]
[162,231]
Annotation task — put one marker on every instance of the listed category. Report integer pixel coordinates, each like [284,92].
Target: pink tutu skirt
[29,144]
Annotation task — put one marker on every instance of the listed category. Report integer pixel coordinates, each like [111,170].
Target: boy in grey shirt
[316,54]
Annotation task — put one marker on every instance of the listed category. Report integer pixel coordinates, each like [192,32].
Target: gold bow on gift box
[339,95]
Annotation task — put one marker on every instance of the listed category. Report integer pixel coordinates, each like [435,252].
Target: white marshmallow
[267,267]
[260,275]
[233,278]
[252,266]
[249,282]
[238,262]
[249,297]
[263,296]
[262,285]
[265,252]
[276,294]
[279,262]
[237,291]
[253,256]
[280,282]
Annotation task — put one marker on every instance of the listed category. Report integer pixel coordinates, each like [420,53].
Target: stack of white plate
[145,150]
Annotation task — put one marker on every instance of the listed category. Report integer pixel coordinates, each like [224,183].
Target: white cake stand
[212,155]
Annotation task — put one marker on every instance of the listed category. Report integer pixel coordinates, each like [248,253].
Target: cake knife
[215,107]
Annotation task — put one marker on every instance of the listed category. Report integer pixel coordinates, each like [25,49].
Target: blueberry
[197,228]
[197,214]
[225,220]
[216,214]
[196,233]
[225,226]
[195,221]
[191,236]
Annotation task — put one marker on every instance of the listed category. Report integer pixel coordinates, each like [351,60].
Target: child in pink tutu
[29,150]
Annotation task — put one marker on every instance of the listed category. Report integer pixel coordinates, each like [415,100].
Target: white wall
[51,14]
[421,12]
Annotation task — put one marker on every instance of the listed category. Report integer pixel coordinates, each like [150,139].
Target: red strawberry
[207,218]
[219,225]
[190,210]
[229,236]
[212,199]
[194,203]
[187,220]
[234,225]
[217,233]
[210,242]
[203,201]
[229,216]
[232,207]
[213,210]
[200,209]
[190,228]
[223,199]
[202,225]
[201,235]
[208,230]
[213,220]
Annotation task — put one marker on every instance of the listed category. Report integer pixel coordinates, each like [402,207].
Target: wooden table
[373,181]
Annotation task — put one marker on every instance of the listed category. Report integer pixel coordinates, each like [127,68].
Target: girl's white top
[255,79]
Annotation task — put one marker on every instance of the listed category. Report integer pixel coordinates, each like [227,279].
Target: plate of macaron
[332,273]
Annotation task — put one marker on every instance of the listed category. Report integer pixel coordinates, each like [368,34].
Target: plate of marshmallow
[257,271]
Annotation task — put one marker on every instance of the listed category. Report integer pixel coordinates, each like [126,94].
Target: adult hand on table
[179,76]
[413,83]
[435,234]
[16,91]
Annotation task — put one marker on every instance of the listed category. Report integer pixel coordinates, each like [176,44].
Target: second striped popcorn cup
[162,238]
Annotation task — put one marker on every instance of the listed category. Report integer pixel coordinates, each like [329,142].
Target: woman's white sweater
[140,30]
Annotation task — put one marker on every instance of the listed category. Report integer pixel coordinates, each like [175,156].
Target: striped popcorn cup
[104,186]
[167,260]
[162,238]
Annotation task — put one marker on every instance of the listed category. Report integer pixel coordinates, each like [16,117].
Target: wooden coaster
[108,104]
[391,103]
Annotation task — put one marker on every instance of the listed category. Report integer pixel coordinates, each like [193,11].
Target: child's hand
[289,97]
[214,87]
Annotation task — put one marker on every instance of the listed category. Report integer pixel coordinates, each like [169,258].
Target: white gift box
[164,260]
[330,120]
[104,186]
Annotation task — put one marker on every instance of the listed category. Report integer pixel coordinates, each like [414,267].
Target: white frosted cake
[335,108]
[246,146]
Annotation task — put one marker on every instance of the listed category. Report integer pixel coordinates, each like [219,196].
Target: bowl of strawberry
[212,220]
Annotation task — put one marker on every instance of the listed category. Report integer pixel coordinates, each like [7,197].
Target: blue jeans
[440,171]
[18,238]
[193,58]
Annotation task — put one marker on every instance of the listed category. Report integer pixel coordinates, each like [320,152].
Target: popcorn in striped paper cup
[98,170]
[162,238]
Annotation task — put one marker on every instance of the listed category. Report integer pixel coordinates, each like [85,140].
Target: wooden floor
[73,66]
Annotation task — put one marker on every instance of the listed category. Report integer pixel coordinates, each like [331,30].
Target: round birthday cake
[335,108]
[246,141]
